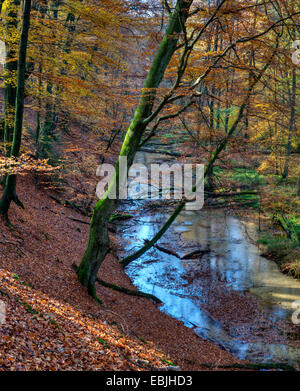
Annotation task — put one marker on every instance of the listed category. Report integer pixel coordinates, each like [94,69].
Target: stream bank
[46,240]
[228,294]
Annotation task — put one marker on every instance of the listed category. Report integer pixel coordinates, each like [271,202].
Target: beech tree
[9,193]
[177,47]
[98,244]
[11,66]
[206,52]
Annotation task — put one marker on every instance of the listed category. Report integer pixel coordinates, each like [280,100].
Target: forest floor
[51,321]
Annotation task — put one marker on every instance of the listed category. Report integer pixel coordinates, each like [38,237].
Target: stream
[208,272]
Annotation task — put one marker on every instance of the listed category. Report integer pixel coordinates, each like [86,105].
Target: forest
[150,185]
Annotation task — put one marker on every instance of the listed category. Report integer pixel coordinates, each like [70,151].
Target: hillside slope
[52,323]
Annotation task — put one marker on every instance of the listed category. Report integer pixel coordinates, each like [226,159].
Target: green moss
[168,362]
[142,340]
[284,251]
[103,342]
[279,245]
[117,216]
[241,175]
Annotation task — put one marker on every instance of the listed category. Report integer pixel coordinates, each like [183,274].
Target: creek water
[227,273]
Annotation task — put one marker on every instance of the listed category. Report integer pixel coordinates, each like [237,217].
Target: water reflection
[236,259]
[233,258]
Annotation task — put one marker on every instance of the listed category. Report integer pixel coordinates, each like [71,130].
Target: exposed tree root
[18,202]
[129,291]
[118,288]
[83,211]
[78,220]
[110,229]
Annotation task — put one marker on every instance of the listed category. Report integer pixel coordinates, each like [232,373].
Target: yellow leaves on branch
[24,164]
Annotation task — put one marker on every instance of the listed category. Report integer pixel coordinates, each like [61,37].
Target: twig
[78,220]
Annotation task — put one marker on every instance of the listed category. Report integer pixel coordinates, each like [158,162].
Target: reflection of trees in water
[2,312]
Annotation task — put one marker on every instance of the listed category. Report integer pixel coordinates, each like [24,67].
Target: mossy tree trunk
[98,243]
[9,193]
[11,66]
[214,156]
[292,125]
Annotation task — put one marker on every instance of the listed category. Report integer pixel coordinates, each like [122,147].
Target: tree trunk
[98,244]
[292,126]
[211,162]
[9,193]
[11,66]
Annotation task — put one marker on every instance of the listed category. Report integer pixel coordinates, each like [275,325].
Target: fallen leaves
[42,333]
[69,322]
[24,164]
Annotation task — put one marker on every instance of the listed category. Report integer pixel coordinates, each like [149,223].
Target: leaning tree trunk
[9,193]
[98,244]
[292,126]
[213,158]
